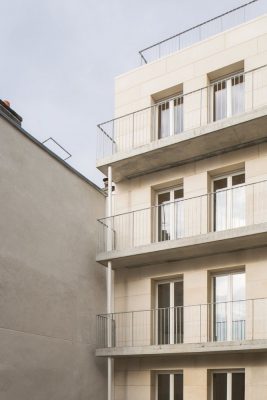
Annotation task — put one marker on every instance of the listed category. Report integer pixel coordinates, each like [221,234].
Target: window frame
[171,282]
[229,191]
[171,120]
[229,274]
[171,375]
[171,203]
[229,373]
[228,86]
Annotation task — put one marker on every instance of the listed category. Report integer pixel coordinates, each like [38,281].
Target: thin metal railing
[200,32]
[183,112]
[237,320]
[229,208]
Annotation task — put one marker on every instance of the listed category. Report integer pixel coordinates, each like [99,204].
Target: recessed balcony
[222,221]
[204,328]
[228,114]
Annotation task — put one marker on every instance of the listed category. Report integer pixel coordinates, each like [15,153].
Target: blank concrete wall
[50,285]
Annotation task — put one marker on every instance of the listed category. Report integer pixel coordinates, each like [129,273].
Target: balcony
[211,328]
[222,221]
[223,116]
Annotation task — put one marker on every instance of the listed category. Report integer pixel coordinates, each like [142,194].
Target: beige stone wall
[135,291]
[191,66]
[137,193]
[134,287]
[134,377]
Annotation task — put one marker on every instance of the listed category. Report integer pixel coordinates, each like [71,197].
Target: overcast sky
[59,59]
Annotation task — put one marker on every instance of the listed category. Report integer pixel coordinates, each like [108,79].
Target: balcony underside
[207,141]
[197,246]
[185,349]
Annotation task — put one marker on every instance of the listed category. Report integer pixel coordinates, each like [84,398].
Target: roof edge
[51,153]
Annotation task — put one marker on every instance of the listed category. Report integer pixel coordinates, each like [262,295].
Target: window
[228,96]
[169,386]
[229,205]
[229,306]
[170,214]
[170,326]
[228,385]
[170,116]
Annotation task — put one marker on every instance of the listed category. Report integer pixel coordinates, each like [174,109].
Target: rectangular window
[229,201]
[170,214]
[169,312]
[169,386]
[229,306]
[228,96]
[228,385]
[170,116]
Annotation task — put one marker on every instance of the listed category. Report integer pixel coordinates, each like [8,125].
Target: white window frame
[228,80]
[229,191]
[171,101]
[229,310]
[171,375]
[229,380]
[171,327]
[172,209]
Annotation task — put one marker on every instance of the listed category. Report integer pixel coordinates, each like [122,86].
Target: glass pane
[220,204]
[178,387]
[164,217]
[163,295]
[239,306]
[178,312]
[221,293]
[178,115]
[238,179]
[238,386]
[220,100]
[164,119]
[163,313]
[163,387]
[238,94]
[178,214]
[178,194]
[220,386]
[238,206]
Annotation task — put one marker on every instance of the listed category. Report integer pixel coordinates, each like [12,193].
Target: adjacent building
[50,284]
[184,239]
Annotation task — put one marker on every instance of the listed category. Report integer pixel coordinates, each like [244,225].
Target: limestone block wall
[134,378]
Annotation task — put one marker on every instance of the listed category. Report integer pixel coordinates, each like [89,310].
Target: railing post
[200,322]
[132,329]
[252,319]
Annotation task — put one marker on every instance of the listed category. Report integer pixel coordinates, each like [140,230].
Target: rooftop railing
[202,31]
[240,320]
[236,207]
[230,96]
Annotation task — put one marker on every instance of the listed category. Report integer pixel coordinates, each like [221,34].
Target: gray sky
[59,59]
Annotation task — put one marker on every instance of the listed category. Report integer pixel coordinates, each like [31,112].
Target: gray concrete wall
[51,288]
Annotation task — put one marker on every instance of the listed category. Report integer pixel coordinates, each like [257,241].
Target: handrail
[184,306]
[101,220]
[184,95]
[193,28]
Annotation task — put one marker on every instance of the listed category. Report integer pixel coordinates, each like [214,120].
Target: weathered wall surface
[50,285]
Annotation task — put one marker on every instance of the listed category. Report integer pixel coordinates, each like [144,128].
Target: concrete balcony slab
[245,346]
[206,141]
[211,243]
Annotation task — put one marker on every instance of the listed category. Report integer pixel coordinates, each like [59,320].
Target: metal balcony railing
[222,99]
[241,205]
[203,31]
[239,320]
